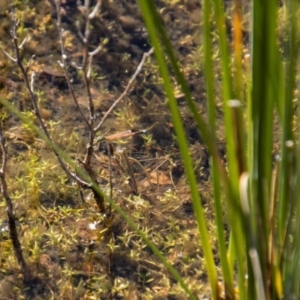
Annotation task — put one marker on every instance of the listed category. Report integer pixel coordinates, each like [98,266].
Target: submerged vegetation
[132,172]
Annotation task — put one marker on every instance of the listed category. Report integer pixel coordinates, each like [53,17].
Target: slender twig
[33,99]
[137,71]
[63,63]
[86,68]
[109,151]
[13,233]
[131,174]
[95,10]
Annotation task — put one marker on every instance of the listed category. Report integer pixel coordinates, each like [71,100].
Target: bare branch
[138,70]
[86,70]
[89,69]
[63,64]
[33,99]
[96,51]
[13,233]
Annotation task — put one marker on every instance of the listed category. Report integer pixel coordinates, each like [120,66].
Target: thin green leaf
[209,79]
[153,22]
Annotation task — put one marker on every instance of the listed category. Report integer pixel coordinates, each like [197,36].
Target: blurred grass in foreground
[261,194]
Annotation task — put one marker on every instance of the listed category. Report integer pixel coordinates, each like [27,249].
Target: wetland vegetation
[128,168]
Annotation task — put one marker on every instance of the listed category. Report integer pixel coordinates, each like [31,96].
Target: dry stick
[13,233]
[86,73]
[86,68]
[131,180]
[131,174]
[110,152]
[18,60]
[63,63]
[138,70]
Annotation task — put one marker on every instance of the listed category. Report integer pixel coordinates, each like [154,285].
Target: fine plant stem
[287,162]
[151,17]
[33,99]
[237,48]
[63,63]
[235,217]
[125,92]
[86,70]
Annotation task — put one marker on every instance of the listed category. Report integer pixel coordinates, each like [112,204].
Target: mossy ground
[74,251]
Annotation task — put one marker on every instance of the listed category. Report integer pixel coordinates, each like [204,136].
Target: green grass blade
[235,218]
[209,79]
[153,23]
[289,174]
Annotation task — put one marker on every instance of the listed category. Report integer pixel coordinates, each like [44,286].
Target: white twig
[96,51]
[95,10]
[138,70]
[23,43]
[9,56]
[33,99]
